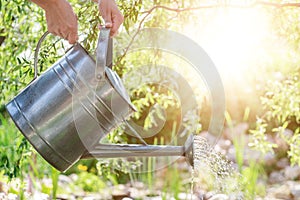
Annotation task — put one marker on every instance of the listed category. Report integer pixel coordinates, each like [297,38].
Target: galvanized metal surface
[122,151]
[101,52]
[119,151]
[66,110]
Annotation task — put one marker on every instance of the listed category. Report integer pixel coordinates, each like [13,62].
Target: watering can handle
[36,53]
[103,52]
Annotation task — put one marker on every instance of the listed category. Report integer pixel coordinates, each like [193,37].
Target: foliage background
[272,77]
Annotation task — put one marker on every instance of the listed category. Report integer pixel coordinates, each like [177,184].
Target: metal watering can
[67,110]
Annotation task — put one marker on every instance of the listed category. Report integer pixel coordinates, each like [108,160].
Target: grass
[54,177]
[251,173]
[173,180]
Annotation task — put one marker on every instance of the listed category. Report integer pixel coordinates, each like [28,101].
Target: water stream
[192,183]
[214,169]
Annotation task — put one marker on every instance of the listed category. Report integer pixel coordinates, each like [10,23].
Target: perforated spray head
[189,150]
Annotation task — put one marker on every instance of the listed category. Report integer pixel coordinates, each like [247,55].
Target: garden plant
[255,47]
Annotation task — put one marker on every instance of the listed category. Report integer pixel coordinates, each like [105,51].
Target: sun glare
[233,38]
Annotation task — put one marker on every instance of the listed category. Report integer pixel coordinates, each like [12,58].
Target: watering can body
[66,111]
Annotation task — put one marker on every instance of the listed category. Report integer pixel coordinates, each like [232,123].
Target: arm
[61,19]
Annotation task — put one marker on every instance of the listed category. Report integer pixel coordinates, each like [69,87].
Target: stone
[282,163]
[281,142]
[208,195]
[136,193]
[231,154]
[237,132]
[251,155]
[73,177]
[281,192]
[120,191]
[2,195]
[40,196]
[219,197]
[223,146]
[276,177]
[292,172]
[119,196]
[287,133]
[12,196]
[248,155]
[270,159]
[295,189]
[93,197]
[199,192]
[236,197]
[3,187]
[153,197]
[138,185]
[66,179]
[66,197]
[184,196]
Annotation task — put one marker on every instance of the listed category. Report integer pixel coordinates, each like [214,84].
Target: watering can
[69,108]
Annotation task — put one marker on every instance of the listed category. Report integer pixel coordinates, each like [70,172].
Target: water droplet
[214,166]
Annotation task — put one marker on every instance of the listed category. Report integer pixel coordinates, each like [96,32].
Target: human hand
[111,15]
[61,20]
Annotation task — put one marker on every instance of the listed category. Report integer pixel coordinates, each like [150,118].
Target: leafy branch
[189,9]
[256,3]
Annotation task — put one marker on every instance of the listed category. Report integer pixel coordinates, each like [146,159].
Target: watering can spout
[65,111]
[129,150]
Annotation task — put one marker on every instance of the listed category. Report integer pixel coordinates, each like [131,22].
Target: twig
[178,10]
[277,5]
[256,3]
[133,38]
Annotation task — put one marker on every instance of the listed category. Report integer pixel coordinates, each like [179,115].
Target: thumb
[107,19]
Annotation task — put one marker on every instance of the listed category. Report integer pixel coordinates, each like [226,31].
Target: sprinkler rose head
[189,150]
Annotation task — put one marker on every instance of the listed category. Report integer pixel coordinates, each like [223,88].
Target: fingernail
[108,24]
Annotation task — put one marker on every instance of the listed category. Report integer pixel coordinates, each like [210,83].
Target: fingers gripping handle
[103,52]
